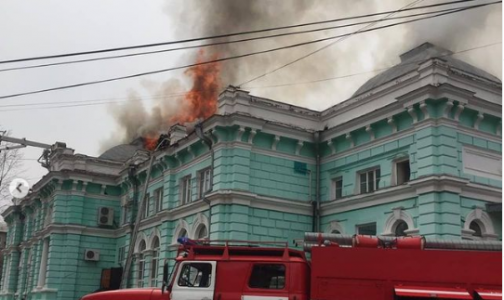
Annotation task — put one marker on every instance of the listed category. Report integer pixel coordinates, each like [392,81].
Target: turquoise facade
[412,164]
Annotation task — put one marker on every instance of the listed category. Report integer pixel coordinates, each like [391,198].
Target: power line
[260,87]
[221,35]
[219,43]
[367,72]
[229,58]
[326,46]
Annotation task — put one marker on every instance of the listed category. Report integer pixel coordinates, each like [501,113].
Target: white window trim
[394,169]
[398,215]
[181,225]
[485,223]
[154,272]
[335,225]
[146,206]
[366,171]
[141,264]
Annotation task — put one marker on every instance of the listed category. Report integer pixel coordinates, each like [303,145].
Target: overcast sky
[35,28]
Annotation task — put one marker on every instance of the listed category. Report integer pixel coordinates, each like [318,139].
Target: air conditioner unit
[91,255]
[105,216]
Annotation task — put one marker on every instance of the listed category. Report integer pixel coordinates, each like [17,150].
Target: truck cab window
[195,275]
[267,276]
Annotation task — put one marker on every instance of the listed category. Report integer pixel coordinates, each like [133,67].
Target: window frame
[285,285]
[204,179]
[376,179]
[185,190]
[335,181]
[183,267]
[146,206]
[158,200]
[154,273]
[358,226]
[141,264]
[396,173]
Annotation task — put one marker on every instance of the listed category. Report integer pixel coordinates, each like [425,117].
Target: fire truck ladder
[23,143]
[125,276]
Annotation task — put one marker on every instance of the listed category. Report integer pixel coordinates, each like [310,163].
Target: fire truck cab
[239,272]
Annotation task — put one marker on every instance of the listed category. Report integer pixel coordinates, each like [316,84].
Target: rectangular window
[338,188]
[367,229]
[196,275]
[204,182]
[403,172]
[146,206]
[267,276]
[185,186]
[158,194]
[121,256]
[141,271]
[125,214]
[369,181]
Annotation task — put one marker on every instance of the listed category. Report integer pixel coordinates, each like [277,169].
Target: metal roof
[410,61]
[120,152]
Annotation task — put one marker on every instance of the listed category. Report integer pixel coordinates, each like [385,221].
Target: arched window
[478,225]
[474,226]
[335,231]
[202,232]
[154,262]
[182,233]
[141,263]
[400,228]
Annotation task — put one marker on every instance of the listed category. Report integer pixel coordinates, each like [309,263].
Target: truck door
[195,281]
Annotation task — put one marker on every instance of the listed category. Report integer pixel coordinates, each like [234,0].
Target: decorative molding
[425,111]
[335,226]
[391,122]
[348,136]
[412,113]
[275,143]
[483,220]
[330,143]
[481,162]
[200,221]
[398,214]
[181,225]
[252,134]
[448,108]
[460,108]
[299,146]
[190,151]
[241,131]
[479,118]
[369,130]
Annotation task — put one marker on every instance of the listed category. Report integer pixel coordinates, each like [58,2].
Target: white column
[43,264]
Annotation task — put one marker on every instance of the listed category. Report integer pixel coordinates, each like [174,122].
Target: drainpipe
[316,205]
[209,142]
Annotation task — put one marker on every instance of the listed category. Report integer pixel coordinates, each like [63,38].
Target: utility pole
[162,142]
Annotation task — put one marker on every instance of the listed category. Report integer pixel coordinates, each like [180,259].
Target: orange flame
[201,100]
[150,142]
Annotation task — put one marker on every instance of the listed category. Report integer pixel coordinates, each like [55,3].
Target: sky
[35,28]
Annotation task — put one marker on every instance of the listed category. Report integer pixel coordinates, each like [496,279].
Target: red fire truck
[341,267]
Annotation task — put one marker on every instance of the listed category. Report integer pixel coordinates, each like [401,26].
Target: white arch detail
[199,221]
[398,215]
[141,237]
[483,220]
[155,233]
[181,225]
[335,225]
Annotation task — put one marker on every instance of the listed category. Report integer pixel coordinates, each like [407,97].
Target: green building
[416,151]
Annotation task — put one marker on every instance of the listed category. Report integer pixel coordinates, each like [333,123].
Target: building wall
[264,182]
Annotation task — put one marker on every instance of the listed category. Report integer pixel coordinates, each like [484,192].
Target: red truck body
[359,273]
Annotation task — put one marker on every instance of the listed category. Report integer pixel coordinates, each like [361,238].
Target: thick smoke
[359,54]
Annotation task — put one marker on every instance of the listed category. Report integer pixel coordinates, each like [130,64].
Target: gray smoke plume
[360,54]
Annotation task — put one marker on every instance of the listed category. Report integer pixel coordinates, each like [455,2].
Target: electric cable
[230,57]
[221,35]
[219,43]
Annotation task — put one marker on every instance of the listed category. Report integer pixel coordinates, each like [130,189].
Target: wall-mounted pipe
[209,142]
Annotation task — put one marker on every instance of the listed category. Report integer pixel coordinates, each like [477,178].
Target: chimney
[177,132]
